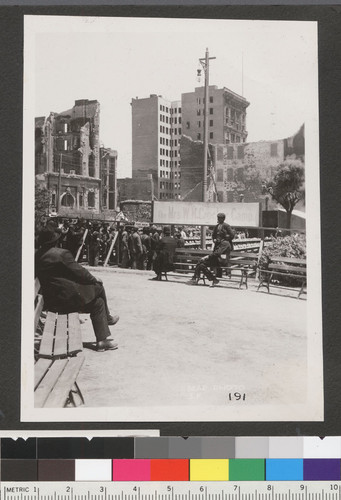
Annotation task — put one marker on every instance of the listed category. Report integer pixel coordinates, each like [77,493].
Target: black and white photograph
[171,220]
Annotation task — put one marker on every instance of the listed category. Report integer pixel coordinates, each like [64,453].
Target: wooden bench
[281,267]
[241,265]
[59,357]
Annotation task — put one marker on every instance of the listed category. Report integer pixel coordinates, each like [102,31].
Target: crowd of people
[68,287]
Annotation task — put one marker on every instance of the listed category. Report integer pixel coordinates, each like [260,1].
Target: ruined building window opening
[65,145]
[211,135]
[65,127]
[91,165]
[67,200]
[188,125]
[91,199]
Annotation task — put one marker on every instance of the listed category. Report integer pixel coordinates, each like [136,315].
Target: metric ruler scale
[212,490]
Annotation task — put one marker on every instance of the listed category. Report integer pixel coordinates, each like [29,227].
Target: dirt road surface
[181,344]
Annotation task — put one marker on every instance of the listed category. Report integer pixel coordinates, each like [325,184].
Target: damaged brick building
[236,171]
[80,176]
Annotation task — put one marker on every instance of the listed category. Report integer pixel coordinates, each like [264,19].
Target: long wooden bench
[241,265]
[279,268]
[59,357]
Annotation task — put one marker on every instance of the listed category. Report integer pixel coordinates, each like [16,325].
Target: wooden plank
[110,249]
[288,260]
[40,368]
[49,381]
[81,245]
[75,334]
[46,344]
[60,391]
[38,310]
[284,268]
[60,343]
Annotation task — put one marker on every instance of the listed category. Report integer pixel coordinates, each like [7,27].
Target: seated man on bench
[68,287]
[222,237]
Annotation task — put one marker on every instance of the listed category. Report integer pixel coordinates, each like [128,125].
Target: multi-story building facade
[108,168]
[67,158]
[226,115]
[70,163]
[158,125]
[239,171]
[156,130]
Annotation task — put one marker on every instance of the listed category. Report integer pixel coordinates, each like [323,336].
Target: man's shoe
[214,282]
[112,320]
[106,345]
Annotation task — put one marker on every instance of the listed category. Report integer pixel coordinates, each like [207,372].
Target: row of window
[166,163]
[211,112]
[170,175]
[173,131]
[235,115]
[210,124]
[165,109]
[175,120]
[165,142]
[170,196]
[164,118]
[199,136]
[202,100]
[169,185]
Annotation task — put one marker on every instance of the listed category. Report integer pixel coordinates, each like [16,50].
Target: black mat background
[11,64]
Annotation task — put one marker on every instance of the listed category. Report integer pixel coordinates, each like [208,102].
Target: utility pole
[59,182]
[205,64]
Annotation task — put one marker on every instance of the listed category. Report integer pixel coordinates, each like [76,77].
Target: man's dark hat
[221,215]
[47,237]
[167,230]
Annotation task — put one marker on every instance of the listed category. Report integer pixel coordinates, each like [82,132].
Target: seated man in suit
[222,237]
[165,251]
[68,287]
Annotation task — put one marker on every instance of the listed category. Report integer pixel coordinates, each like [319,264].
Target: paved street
[192,345]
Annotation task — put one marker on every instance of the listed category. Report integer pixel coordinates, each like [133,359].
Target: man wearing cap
[68,287]
[165,251]
[222,237]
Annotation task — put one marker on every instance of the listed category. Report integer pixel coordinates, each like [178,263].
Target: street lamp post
[205,64]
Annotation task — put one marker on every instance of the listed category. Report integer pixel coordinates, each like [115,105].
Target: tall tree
[288,187]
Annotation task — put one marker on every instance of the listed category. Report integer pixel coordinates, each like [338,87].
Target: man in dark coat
[222,237]
[68,287]
[165,253]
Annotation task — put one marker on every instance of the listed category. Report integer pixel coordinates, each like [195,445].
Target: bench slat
[46,344]
[64,384]
[75,334]
[60,344]
[288,260]
[38,310]
[282,269]
[46,385]
[40,368]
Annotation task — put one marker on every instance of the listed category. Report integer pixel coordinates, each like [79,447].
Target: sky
[273,64]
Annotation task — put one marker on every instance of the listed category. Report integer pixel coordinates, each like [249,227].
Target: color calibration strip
[172,470]
[171,459]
